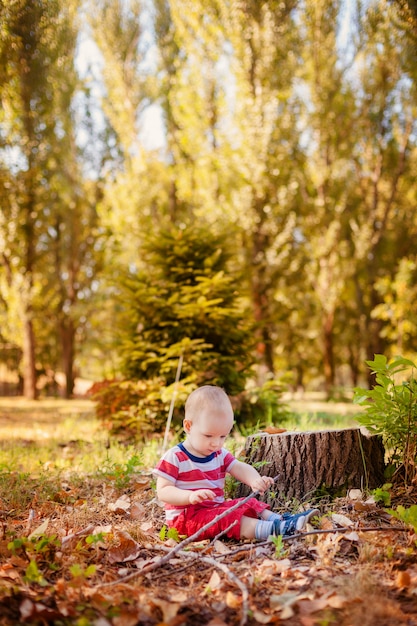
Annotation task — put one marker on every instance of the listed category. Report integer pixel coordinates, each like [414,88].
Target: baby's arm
[170,494]
[250,476]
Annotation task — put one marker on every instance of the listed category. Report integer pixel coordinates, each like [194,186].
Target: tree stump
[305,462]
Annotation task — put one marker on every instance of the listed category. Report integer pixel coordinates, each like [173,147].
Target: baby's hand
[262,483]
[200,495]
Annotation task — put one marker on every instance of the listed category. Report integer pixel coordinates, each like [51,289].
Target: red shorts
[195,516]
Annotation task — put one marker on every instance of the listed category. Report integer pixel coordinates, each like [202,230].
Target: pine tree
[186,302]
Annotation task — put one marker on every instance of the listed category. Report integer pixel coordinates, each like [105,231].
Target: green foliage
[80,574]
[120,474]
[20,489]
[95,539]
[280,550]
[383,494]
[33,575]
[40,551]
[169,533]
[261,406]
[391,410]
[408,516]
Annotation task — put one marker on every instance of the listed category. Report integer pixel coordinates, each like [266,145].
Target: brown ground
[78,550]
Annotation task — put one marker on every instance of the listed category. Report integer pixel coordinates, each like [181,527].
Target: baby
[191,476]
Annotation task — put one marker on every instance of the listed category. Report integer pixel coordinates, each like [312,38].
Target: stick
[179,546]
[184,567]
[171,406]
[345,529]
[233,578]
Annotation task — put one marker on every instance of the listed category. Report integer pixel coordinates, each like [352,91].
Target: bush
[131,410]
[391,411]
[261,406]
[136,410]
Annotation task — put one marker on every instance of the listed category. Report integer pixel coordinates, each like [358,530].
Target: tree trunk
[328,351]
[67,342]
[29,370]
[305,462]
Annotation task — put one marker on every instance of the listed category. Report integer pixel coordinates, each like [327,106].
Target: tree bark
[67,332]
[29,370]
[305,462]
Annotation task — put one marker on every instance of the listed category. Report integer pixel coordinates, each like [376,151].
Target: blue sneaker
[291,524]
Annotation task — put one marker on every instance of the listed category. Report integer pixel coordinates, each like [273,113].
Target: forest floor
[86,546]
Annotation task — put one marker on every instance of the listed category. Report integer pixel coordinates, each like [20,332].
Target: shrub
[391,411]
[261,406]
[131,409]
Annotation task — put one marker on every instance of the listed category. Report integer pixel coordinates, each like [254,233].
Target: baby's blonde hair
[205,396]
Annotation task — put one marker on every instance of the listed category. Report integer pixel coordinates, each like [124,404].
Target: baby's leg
[255,528]
[247,527]
[269,515]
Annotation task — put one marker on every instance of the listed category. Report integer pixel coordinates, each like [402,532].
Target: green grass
[55,436]
[60,436]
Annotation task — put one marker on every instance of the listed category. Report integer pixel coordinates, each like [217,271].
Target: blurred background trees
[267,227]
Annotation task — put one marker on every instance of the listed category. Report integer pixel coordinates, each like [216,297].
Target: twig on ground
[81,533]
[345,529]
[233,578]
[223,532]
[198,554]
[179,547]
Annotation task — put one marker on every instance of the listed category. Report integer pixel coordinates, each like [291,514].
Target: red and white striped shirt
[187,471]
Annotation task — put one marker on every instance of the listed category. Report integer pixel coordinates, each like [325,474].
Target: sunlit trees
[48,227]
[288,125]
[34,43]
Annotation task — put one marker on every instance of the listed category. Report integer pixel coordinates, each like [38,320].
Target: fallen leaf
[403,580]
[122,505]
[102,621]
[273,430]
[180,596]
[140,482]
[285,601]
[355,494]
[287,612]
[169,609]
[220,547]
[8,571]
[232,600]
[126,617]
[137,511]
[105,530]
[214,582]
[341,520]
[326,523]
[127,550]
[40,530]
[364,506]
[37,612]
[306,607]
[270,567]
[263,618]
[336,602]
[26,608]
[352,536]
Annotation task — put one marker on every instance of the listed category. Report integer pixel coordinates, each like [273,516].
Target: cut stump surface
[308,461]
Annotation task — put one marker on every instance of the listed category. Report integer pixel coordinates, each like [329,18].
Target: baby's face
[208,431]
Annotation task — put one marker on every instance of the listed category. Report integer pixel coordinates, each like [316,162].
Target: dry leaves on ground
[97,558]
